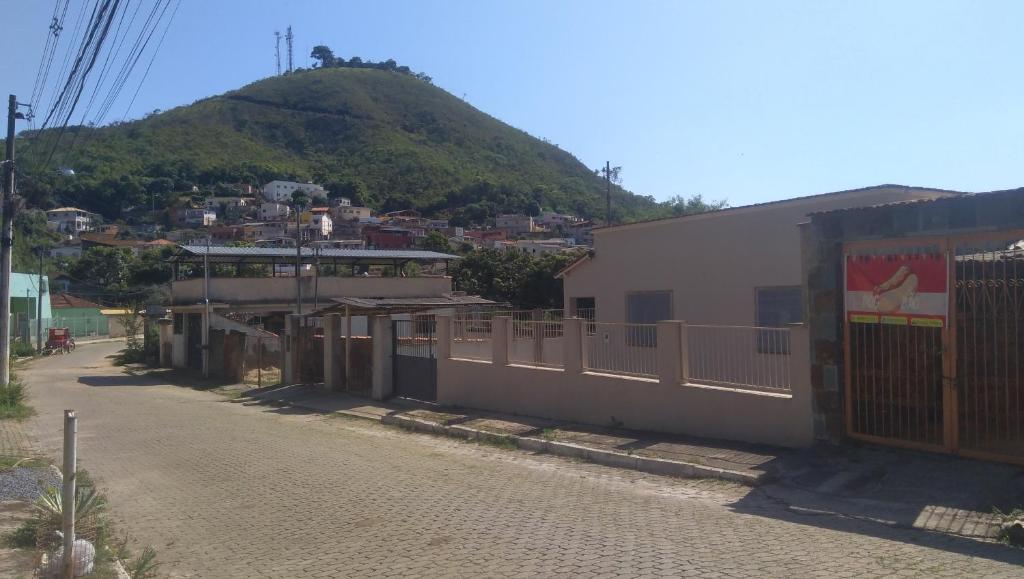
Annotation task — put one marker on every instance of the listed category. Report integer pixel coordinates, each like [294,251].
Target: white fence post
[501,327]
[573,348]
[68,494]
[668,352]
[684,352]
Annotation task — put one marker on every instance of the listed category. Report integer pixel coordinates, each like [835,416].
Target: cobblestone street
[230,490]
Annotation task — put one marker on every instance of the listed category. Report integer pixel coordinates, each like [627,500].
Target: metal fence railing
[536,343]
[740,356]
[629,349]
[471,335]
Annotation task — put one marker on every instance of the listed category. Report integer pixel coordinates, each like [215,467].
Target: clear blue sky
[743,100]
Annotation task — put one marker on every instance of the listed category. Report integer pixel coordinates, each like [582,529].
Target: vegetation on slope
[391,139]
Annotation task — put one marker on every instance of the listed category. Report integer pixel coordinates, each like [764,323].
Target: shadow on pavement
[894,494]
[117,380]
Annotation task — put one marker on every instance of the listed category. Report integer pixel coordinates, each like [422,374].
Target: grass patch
[503,442]
[1009,533]
[24,537]
[548,434]
[7,462]
[14,401]
[130,356]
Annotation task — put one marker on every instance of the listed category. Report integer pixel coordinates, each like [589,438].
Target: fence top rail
[623,324]
[726,327]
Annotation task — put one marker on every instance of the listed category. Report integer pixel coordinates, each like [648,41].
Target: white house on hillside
[283,190]
[269,211]
[69,221]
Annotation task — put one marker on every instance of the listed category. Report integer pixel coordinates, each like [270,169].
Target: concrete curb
[610,458]
[653,465]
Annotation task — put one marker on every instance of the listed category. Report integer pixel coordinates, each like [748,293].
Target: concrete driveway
[228,490]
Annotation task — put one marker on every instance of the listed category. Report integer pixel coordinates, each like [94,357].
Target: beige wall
[663,404]
[711,262]
[282,289]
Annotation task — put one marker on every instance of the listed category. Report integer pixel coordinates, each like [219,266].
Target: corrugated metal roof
[428,302]
[941,193]
[289,252]
[946,199]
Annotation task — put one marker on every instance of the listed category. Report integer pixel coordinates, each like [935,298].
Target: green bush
[24,537]
[22,349]
[12,394]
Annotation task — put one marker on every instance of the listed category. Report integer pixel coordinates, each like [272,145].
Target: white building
[350,213]
[283,190]
[199,217]
[230,205]
[66,251]
[269,211]
[550,219]
[541,246]
[69,221]
[313,227]
[515,224]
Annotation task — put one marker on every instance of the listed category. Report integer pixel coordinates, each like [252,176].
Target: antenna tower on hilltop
[288,39]
[277,50]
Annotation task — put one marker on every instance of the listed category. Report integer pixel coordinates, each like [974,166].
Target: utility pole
[277,50]
[6,242]
[206,310]
[39,305]
[298,257]
[288,40]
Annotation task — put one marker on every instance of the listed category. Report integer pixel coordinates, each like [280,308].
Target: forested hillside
[389,139]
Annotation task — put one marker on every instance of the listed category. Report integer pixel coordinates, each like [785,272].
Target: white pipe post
[68,492]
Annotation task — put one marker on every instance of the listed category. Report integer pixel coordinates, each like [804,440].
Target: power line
[152,58]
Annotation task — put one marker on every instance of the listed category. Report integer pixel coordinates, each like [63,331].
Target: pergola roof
[285,255]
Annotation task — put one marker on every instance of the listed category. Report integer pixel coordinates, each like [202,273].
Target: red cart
[59,340]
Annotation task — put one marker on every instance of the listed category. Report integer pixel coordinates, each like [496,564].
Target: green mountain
[389,139]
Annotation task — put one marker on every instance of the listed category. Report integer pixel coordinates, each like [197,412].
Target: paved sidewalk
[897,488]
[228,490]
[659,454]
[15,440]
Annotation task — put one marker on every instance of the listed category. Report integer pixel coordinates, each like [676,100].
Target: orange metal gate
[955,388]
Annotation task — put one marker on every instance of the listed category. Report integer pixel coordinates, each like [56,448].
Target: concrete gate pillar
[290,352]
[383,352]
[333,353]
[166,333]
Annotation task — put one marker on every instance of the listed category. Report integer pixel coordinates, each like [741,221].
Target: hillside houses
[70,221]
[282,191]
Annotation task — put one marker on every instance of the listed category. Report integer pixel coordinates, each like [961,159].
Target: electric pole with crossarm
[7,241]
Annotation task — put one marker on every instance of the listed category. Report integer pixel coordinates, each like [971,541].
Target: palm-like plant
[88,502]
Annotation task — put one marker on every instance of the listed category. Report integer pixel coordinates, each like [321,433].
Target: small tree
[680,205]
[436,241]
[324,56]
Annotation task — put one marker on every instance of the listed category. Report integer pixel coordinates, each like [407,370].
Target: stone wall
[822,242]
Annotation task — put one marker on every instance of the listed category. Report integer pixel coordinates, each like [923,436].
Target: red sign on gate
[897,289]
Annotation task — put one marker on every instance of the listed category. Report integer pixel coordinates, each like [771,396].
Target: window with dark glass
[777,307]
[646,308]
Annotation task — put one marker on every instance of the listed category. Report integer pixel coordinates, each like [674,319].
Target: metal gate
[194,347]
[311,350]
[956,385]
[415,359]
